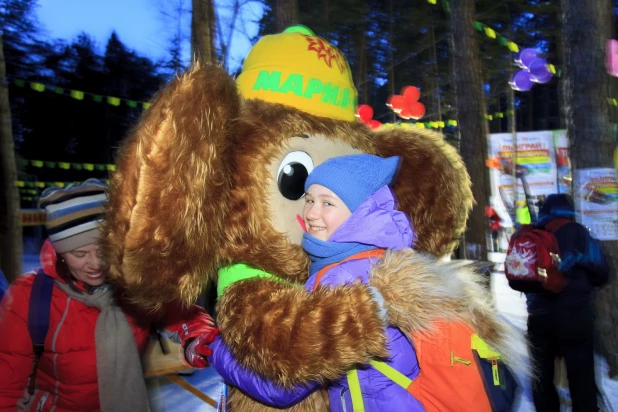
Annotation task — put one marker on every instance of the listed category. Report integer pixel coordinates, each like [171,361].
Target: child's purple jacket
[375,223]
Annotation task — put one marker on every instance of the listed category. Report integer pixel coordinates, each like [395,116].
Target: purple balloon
[521,81]
[526,56]
[539,71]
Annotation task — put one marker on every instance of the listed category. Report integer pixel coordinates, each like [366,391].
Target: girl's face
[324,212]
[85,264]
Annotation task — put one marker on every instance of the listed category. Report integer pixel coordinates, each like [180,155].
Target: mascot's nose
[301,222]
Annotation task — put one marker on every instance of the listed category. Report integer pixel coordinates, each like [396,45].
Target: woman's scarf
[119,368]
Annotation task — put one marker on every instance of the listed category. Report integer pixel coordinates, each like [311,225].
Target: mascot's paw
[291,336]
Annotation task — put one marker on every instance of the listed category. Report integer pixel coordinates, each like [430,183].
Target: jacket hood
[377,223]
[48,259]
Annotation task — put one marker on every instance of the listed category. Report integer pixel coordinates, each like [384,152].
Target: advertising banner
[535,168]
[596,201]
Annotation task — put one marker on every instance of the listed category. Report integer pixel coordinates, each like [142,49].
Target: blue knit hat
[354,177]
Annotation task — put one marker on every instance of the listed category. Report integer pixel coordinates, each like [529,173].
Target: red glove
[198,349]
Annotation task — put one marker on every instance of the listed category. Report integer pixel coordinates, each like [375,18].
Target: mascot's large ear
[166,208]
[433,186]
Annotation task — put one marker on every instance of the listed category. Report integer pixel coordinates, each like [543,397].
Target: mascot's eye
[292,174]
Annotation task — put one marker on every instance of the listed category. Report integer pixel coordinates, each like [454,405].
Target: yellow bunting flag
[77,95]
[513,47]
[88,166]
[37,163]
[145,105]
[111,168]
[489,32]
[37,86]
[64,165]
[114,101]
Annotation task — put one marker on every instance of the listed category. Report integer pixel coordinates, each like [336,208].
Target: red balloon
[374,124]
[417,110]
[405,114]
[396,102]
[411,94]
[365,112]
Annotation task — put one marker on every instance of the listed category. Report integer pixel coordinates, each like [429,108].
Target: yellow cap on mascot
[296,68]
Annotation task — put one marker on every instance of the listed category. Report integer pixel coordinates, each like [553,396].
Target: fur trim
[419,290]
[433,186]
[291,336]
[166,208]
[315,402]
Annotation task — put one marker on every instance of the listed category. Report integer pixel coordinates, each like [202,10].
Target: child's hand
[197,351]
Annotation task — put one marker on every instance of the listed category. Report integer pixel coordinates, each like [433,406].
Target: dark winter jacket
[575,244]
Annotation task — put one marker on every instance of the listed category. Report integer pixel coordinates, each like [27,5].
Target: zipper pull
[494,372]
[458,359]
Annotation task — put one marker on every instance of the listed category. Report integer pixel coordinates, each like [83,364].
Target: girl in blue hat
[349,215]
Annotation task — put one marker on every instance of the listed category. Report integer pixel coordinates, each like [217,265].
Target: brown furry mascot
[213,177]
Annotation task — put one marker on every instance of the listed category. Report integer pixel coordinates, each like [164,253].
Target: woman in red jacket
[91,355]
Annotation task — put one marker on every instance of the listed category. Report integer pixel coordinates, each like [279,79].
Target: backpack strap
[386,370]
[556,224]
[367,254]
[38,317]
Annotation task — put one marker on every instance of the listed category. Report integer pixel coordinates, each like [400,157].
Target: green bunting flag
[101,167]
[37,86]
[80,95]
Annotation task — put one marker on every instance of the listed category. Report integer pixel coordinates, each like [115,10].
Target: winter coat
[66,379]
[573,239]
[375,223]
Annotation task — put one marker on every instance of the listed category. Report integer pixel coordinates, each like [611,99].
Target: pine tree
[467,76]
[585,30]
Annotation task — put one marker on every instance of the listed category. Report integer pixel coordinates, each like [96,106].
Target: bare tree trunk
[467,77]
[202,31]
[286,13]
[585,27]
[11,243]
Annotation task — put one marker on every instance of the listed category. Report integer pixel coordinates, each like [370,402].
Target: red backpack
[533,257]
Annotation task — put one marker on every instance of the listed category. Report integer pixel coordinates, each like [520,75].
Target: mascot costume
[209,186]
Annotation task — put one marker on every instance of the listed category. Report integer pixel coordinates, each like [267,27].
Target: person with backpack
[70,340]
[350,220]
[560,321]
[349,213]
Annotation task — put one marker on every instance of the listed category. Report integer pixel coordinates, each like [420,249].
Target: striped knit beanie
[74,214]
